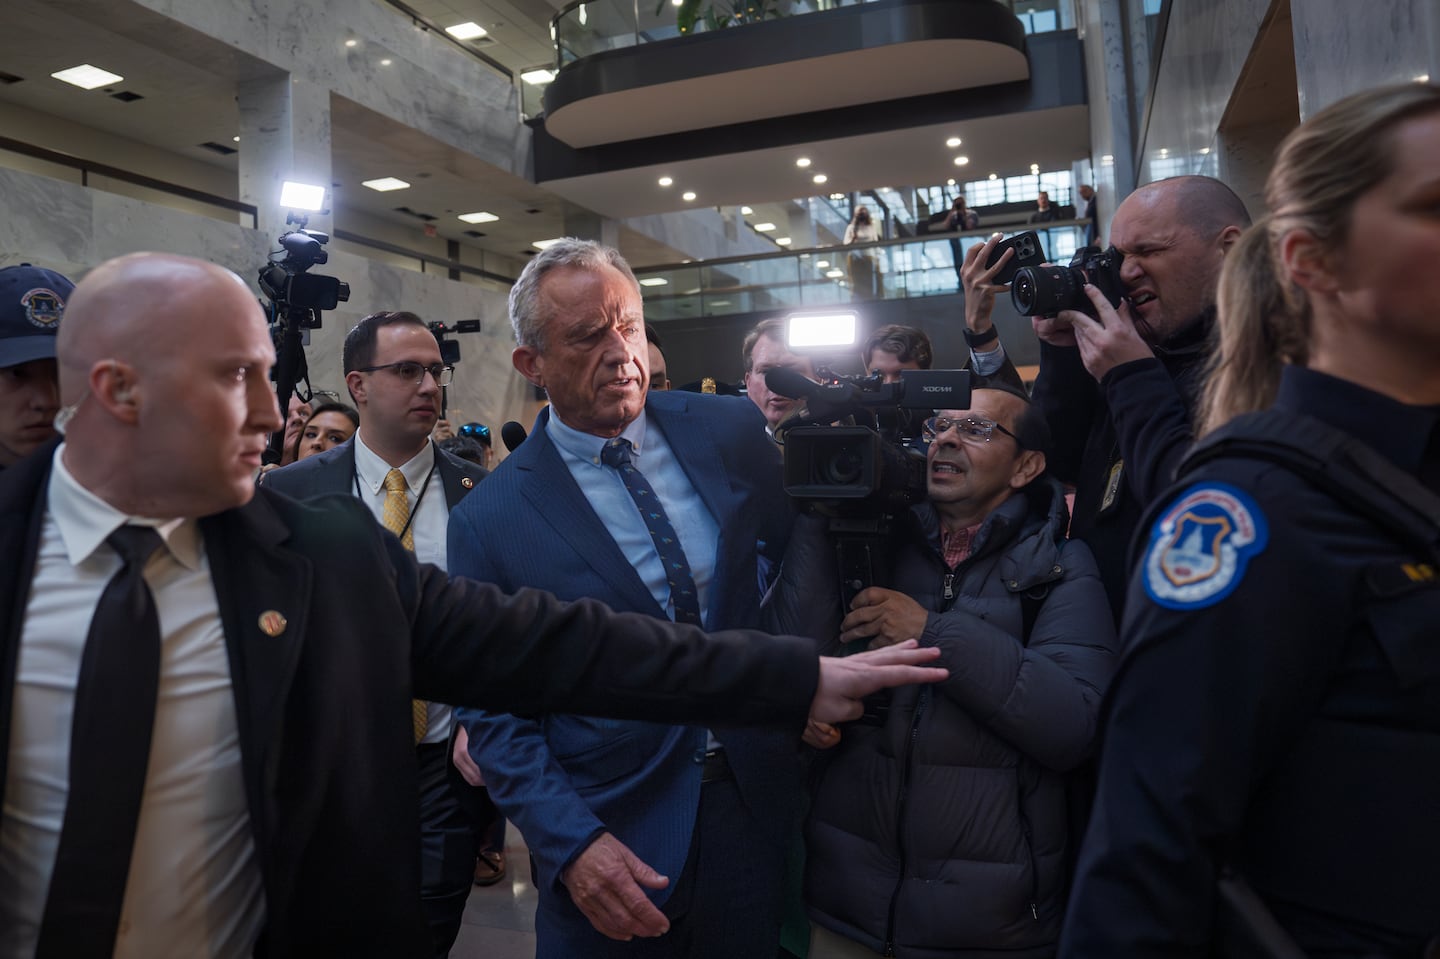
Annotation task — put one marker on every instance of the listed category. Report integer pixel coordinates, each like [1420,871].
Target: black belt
[717,767]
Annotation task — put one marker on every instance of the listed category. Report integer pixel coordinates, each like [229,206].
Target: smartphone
[1028,252]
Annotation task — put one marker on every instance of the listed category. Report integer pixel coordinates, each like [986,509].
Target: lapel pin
[467,482]
[272,623]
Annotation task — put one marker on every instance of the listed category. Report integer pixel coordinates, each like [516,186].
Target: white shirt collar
[587,446]
[84,520]
[372,470]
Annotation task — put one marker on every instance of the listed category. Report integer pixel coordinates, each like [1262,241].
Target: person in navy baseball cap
[32,302]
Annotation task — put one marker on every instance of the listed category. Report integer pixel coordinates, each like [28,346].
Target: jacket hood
[1035,520]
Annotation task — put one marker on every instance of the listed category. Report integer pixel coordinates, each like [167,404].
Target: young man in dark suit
[272,792]
[395,375]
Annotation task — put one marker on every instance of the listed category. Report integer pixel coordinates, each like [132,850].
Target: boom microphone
[512,434]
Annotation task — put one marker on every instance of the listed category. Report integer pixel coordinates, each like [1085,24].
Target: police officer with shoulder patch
[32,301]
[1270,778]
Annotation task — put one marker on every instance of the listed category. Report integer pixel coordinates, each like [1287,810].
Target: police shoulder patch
[1200,545]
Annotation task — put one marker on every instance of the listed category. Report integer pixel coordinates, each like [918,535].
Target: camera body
[1046,290]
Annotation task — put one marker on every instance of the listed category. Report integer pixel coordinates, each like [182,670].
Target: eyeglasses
[971,427]
[412,372]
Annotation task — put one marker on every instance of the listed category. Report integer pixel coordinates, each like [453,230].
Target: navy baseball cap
[32,301]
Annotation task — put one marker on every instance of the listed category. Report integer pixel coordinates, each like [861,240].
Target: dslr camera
[1046,290]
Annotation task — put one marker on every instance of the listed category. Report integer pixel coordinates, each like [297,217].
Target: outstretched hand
[605,884]
[1110,341]
[846,680]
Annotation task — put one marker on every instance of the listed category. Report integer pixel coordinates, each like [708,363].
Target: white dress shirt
[430,523]
[194,887]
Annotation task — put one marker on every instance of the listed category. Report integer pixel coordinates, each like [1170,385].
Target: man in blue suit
[637,829]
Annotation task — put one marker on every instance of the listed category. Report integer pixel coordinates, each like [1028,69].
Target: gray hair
[526,319]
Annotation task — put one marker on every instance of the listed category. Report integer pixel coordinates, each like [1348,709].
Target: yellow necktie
[397,521]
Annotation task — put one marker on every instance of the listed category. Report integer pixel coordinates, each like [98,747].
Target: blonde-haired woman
[1272,755]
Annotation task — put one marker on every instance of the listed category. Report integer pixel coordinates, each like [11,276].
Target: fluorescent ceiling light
[469,30]
[962,160]
[1107,158]
[87,77]
[746,211]
[301,196]
[719,302]
[480,217]
[688,195]
[821,264]
[820,178]
[666,181]
[1423,78]
[764,227]
[385,184]
[803,162]
[546,244]
[654,281]
[537,77]
[953,142]
[782,241]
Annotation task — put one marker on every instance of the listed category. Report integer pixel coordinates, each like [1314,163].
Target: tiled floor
[500,920]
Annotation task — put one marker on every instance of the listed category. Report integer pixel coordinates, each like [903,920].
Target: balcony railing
[920,266]
[587,27]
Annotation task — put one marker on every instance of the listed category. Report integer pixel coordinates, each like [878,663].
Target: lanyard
[414,510]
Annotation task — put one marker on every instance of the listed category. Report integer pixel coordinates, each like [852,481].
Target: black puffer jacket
[943,832]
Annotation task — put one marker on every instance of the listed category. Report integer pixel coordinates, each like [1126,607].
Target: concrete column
[284,135]
[1342,47]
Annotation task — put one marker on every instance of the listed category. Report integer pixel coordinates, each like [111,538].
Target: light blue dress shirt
[695,526]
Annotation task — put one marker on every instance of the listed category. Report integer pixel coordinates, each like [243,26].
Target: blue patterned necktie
[683,596]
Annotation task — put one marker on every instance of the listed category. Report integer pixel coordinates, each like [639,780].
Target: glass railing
[594,26]
[827,276]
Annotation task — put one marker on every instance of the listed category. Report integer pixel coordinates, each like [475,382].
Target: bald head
[1203,203]
[165,361]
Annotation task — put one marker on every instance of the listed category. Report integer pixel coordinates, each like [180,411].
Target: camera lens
[844,466]
[1045,290]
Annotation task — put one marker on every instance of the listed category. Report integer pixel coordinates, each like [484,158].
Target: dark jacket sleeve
[1153,424]
[1068,397]
[1043,698]
[1204,701]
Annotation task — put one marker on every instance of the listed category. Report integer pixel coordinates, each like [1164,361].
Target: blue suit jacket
[564,779]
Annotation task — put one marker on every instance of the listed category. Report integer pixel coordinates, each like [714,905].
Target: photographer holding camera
[1119,388]
[941,828]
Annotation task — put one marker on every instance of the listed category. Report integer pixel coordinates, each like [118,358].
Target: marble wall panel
[1342,46]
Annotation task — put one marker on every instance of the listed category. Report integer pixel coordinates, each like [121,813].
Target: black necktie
[683,596]
[109,751]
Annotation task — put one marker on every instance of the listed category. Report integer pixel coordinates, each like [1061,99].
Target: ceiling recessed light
[666,181]
[469,30]
[480,217]
[654,281]
[352,43]
[821,264]
[962,160]
[546,244]
[802,162]
[688,195]
[953,142]
[835,274]
[746,211]
[994,176]
[837,196]
[87,77]
[301,196]
[1204,151]
[1423,78]
[1164,152]
[764,227]
[950,182]
[820,178]
[1034,168]
[385,62]
[385,184]
[235,139]
[782,241]
[804,256]
[538,77]
[1107,158]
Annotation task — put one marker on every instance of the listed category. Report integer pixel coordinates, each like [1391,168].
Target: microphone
[512,434]
[797,386]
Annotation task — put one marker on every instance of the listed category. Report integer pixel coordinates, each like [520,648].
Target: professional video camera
[1046,290]
[861,474]
[450,349]
[297,297]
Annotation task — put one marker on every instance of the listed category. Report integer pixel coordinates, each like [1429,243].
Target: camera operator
[941,829]
[1119,392]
